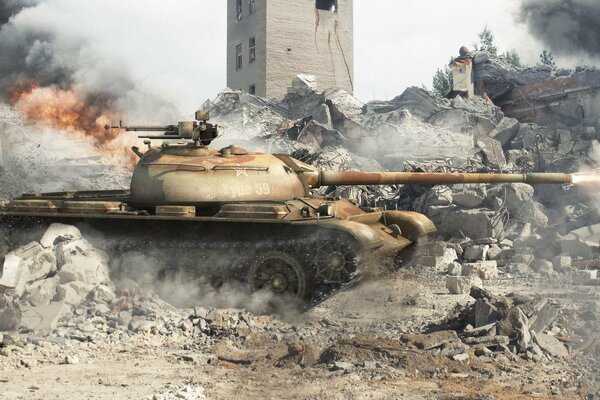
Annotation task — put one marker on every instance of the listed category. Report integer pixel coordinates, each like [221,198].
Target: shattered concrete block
[26,264]
[81,262]
[485,313]
[43,318]
[440,263]
[551,345]
[474,223]
[562,263]
[343,105]
[104,293]
[303,85]
[40,293]
[493,154]
[470,198]
[484,330]
[59,233]
[516,325]
[543,318]
[583,242]
[486,270]
[454,269]
[462,284]
[476,252]
[494,252]
[506,130]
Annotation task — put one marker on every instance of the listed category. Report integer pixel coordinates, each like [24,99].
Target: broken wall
[303,39]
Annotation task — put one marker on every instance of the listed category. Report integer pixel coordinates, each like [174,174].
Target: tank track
[242,262]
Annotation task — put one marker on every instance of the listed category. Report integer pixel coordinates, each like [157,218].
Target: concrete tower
[269,42]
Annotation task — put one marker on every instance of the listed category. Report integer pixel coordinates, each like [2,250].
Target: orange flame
[68,111]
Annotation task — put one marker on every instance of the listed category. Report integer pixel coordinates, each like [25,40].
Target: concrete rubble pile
[513,324]
[60,287]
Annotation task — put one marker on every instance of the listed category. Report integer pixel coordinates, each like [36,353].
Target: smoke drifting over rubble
[60,82]
[567,27]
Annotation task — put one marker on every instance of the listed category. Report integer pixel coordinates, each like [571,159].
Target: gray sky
[178,46]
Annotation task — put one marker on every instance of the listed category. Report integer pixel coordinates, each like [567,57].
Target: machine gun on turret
[199,131]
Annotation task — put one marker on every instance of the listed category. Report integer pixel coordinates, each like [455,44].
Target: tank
[247,215]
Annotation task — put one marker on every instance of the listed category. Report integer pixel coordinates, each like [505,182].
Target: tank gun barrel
[145,128]
[334,178]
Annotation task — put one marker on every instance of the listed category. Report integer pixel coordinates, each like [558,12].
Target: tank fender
[412,224]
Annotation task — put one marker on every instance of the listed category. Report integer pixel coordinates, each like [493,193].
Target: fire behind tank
[248,215]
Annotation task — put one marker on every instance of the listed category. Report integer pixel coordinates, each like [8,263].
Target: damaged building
[539,94]
[269,42]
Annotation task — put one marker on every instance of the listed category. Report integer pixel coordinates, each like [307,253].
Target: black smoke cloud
[9,8]
[567,27]
[34,48]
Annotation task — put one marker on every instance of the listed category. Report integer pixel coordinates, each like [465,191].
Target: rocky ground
[501,335]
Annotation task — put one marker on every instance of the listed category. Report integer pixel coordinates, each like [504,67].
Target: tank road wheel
[280,273]
[336,263]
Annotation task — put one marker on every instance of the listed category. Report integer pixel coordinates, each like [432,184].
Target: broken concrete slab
[551,345]
[440,263]
[484,330]
[454,269]
[470,197]
[475,223]
[506,130]
[516,326]
[43,318]
[486,270]
[485,313]
[431,340]
[493,155]
[462,284]
[582,242]
[26,264]
[540,321]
